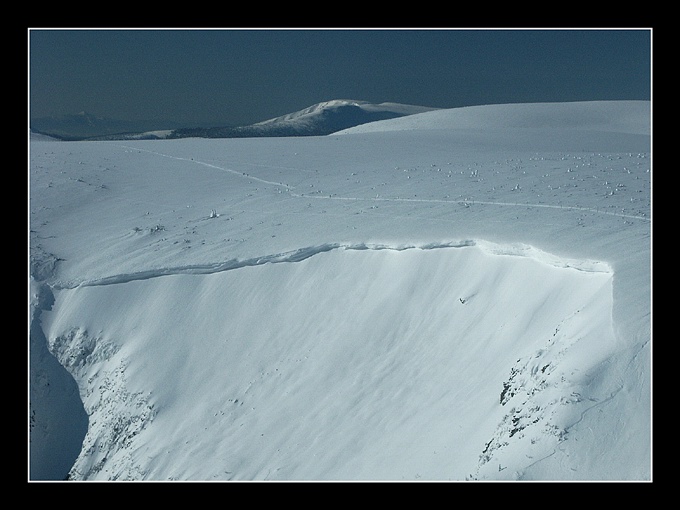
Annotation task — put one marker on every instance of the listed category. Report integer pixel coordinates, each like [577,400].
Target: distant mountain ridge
[317,120]
[85,125]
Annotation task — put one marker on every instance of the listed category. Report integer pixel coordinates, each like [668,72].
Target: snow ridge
[301,254]
[291,256]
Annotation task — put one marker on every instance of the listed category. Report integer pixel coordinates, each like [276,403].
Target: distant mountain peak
[320,119]
[379,110]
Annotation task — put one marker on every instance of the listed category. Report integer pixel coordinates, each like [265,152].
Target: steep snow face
[57,420]
[353,363]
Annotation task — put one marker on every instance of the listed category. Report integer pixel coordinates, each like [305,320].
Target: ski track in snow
[209,165]
[479,202]
[291,191]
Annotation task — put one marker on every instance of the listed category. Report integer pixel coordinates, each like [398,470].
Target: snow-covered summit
[319,119]
[315,113]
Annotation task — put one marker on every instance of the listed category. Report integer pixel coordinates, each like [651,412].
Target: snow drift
[421,304]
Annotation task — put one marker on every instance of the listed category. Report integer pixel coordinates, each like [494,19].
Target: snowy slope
[434,302]
[602,116]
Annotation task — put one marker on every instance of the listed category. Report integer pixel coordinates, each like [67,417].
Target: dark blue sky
[236,77]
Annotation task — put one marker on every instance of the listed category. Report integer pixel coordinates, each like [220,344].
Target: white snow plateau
[452,295]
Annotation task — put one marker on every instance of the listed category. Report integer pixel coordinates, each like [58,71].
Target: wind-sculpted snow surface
[365,367]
